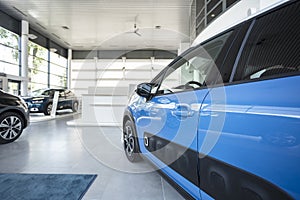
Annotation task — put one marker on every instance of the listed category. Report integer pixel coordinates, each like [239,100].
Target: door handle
[182,110]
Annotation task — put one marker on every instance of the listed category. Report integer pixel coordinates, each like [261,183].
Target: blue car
[40,101]
[222,121]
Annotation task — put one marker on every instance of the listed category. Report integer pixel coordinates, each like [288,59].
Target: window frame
[179,60]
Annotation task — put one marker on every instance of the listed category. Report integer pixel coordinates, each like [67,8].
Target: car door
[255,151]
[69,98]
[169,120]
[62,102]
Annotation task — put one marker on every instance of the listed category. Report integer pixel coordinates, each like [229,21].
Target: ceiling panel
[105,24]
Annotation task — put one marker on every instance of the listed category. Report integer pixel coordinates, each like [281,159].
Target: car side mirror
[144,90]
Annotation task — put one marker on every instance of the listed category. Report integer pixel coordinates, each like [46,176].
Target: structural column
[69,68]
[24,57]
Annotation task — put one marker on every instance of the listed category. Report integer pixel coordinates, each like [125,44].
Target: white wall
[233,15]
[87,73]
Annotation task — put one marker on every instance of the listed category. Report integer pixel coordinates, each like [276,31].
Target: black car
[14,117]
[41,101]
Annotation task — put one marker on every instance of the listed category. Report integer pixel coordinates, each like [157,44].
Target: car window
[272,49]
[51,93]
[68,93]
[46,92]
[61,93]
[191,71]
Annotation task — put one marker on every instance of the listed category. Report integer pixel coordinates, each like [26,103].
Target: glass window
[37,50]
[58,81]
[191,71]
[58,59]
[9,38]
[230,2]
[214,13]
[35,86]
[37,64]
[8,68]
[9,56]
[272,49]
[38,77]
[58,70]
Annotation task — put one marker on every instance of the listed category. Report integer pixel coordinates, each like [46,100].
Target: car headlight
[37,101]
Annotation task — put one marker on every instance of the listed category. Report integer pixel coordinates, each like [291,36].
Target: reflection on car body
[222,120]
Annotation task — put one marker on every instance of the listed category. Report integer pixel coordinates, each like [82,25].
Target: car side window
[45,93]
[61,93]
[190,72]
[68,93]
[272,49]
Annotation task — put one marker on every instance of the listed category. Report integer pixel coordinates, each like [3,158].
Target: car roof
[203,36]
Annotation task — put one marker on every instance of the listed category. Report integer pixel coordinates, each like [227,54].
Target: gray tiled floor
[53,147]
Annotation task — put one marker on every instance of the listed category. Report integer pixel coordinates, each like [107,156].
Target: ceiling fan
[135,28]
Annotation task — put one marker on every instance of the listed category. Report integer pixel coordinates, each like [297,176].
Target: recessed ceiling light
[32,36]
[212,15]
[53,50]
[157,27]
[33,14]
[65,27]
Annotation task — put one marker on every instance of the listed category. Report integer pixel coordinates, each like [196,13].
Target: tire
[11,127]
[75,106]
[48,109]
[130,142]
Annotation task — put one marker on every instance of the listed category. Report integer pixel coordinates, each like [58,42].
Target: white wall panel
[110,74]
[110,64]
[82,83]
[83,64]
[84,75]
[138,74]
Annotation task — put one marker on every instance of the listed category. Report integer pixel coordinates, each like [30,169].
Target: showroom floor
[51,146]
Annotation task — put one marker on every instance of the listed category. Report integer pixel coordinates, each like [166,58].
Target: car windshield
[38,92]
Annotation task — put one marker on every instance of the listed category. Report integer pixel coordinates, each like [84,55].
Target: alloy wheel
[49,109]
[10,127]
[129,142]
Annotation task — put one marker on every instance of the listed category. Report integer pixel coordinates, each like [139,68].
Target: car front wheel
[75,106]
[11,127]
[130,142]
[48,109]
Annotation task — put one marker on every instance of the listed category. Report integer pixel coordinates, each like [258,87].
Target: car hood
[34,98]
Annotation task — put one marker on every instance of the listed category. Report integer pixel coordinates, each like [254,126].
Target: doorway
[14,87]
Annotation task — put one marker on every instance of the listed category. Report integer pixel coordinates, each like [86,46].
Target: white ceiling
[104,24]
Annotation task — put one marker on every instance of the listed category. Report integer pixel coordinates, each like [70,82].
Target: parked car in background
[222,121]
[41,101]
[14,117]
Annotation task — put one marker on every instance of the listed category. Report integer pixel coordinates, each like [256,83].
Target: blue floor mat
[44,186]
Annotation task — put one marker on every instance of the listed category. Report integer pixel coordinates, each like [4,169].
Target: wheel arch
[19,112]
[128,116]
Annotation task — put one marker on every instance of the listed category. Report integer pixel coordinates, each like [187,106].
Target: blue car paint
[164,117]
[259,133]
[251,126]
[261,130]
